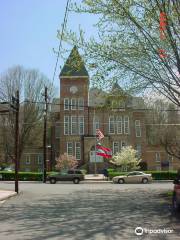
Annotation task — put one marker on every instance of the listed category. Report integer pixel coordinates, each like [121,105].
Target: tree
[163,126]
[137,45]
[30,83]
[65,162]
[126,159]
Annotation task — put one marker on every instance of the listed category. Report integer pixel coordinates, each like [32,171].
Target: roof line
[73,76]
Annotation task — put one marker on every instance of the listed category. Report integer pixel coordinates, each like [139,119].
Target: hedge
[35,176]
[22,176]
[157,175]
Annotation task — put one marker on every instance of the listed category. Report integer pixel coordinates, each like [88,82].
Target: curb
[95,181]
[9,195]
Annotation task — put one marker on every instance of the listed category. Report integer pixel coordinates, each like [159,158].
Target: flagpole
[95,166]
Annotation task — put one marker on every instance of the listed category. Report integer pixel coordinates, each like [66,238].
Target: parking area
[88,211]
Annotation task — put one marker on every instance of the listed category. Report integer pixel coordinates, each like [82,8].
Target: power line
[99,107]
[60,42]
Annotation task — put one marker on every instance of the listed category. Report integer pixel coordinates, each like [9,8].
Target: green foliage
[23,176]
[129,44]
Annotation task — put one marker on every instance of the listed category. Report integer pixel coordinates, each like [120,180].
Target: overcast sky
[28,30]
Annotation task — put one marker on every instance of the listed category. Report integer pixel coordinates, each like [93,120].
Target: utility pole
[16,141]
[45,136]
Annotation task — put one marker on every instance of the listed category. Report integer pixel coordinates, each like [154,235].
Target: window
[123,144]
[126,125]
[73,104]
[95,125]
[66,125]
[70,148]
[28,159]
[138,149]
[73,125]
[81,125]
[115,147]
[111,124]
[81,104]
[158,157]
[66,103]
[170,160]
[119,124]
[39,159]
[78,150]
[138,128]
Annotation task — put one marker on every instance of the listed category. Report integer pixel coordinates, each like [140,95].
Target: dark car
[176,195]
[71,175]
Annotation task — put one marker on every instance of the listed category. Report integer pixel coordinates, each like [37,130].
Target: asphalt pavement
[66,211]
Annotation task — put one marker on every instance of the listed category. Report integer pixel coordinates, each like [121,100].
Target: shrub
[22,176]
[127,159]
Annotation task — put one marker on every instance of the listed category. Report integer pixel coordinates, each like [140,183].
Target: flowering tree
[65,162]
[126,159]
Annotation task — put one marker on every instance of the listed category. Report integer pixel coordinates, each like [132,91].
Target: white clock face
[73,89]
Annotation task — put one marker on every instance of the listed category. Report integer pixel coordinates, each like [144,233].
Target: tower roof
[74,65]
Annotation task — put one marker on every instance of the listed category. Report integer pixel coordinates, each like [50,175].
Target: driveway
[88,211]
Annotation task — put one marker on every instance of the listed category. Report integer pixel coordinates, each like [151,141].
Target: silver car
[133,177]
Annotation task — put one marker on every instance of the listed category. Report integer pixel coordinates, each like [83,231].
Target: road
[87,211]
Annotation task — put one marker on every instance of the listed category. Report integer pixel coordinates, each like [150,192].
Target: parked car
[133,177]
[9,169]
[176,195]
[72,175]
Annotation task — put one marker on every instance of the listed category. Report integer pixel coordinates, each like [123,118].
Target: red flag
[99,134]
[104,152]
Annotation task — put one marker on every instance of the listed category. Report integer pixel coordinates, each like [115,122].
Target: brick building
[119,116]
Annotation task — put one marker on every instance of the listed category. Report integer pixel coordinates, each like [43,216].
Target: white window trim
[39,160]
[139,147]
[157,159]
[126,121]
[138,125]
[66,107]
[67,125]
[73,107]
[28,157]
[119,120]
[76,150]
[81,107]
[122,144]
[79,122]
[67,148]
[96,124]
[113,124]
[114,147]
[74,116]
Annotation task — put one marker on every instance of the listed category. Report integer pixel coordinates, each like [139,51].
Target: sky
[28,30]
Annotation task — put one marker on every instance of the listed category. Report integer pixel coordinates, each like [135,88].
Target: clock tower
[74,87]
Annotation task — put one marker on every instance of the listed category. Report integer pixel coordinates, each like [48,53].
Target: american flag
[99,134]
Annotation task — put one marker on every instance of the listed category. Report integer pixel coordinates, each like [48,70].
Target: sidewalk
[4,194]
[95,177]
